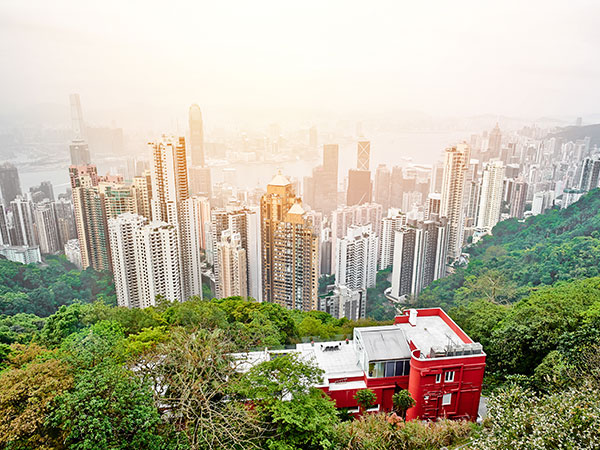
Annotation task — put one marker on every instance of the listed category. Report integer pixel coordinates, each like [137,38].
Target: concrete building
[357,258]
[342,301]
[145,261]
[490,203]
[424,352]
[10,185]
[419,257]
[73,253]
[455,166]
[233,266]
[394,221]
[245,222]
[290,249]
[46,225]
[21,254]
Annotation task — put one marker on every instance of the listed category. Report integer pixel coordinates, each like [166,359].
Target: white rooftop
[336,363]
[279,180]
[430,331]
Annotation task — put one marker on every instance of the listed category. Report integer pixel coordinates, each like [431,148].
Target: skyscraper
[90,218]
[171,204]
[77,124]
[80,152]
[320,190]
[394,221]
[232,277]
[290,247]
[10,185]
[519,198]
[490,202]
[455,165]
[357,258]
[383,178]
[78,149]
[169,177]
[47,227]
[360,187]
[590,174]
[145,261]
[363,155]
[494,143]
[23,222]
[419,256]
[345,216]
[196,135]
[245,222]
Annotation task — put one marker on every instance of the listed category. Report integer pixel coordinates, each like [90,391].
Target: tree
[29,390]
[108,408]
[293,413]
[365,399]
[402,402]
[194,381]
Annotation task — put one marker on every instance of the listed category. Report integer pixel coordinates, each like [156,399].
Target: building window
[438,377]
[449,377]
[446,399]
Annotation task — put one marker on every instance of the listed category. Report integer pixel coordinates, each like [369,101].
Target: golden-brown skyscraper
[290,249]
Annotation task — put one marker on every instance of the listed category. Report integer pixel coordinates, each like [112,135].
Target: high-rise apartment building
[455,164]
[23,223]
[394,221]
[419,256]
[233,267]
[246,223]
[357,258]
[171,204]
[342,302]
[590,174]
[490,203]
[519,199]
[90,218]
[345,216]
[46,225]
[145,261]
[290,249]
[10,185]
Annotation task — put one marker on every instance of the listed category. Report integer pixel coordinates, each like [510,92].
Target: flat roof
[384,343]
[339,363]
[430,331]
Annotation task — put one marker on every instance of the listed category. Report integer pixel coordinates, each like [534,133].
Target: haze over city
[331,225]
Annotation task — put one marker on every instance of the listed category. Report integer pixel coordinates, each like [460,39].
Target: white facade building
[357,258]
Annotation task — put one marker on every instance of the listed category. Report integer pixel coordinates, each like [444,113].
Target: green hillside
[559,245]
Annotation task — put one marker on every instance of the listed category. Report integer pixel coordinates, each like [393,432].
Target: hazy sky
[520,58]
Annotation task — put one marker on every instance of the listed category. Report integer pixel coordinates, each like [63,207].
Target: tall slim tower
[77,124]
[363,155]
[357,258]
[490,202]
[171,203]
[10,185]
[495,142]
[196,135]
[290,249]
[455,165]
[78,149]
[233,266]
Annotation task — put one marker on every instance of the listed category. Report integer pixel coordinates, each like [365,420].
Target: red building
[424,352]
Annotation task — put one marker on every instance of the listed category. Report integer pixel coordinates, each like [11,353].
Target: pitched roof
[279,180]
